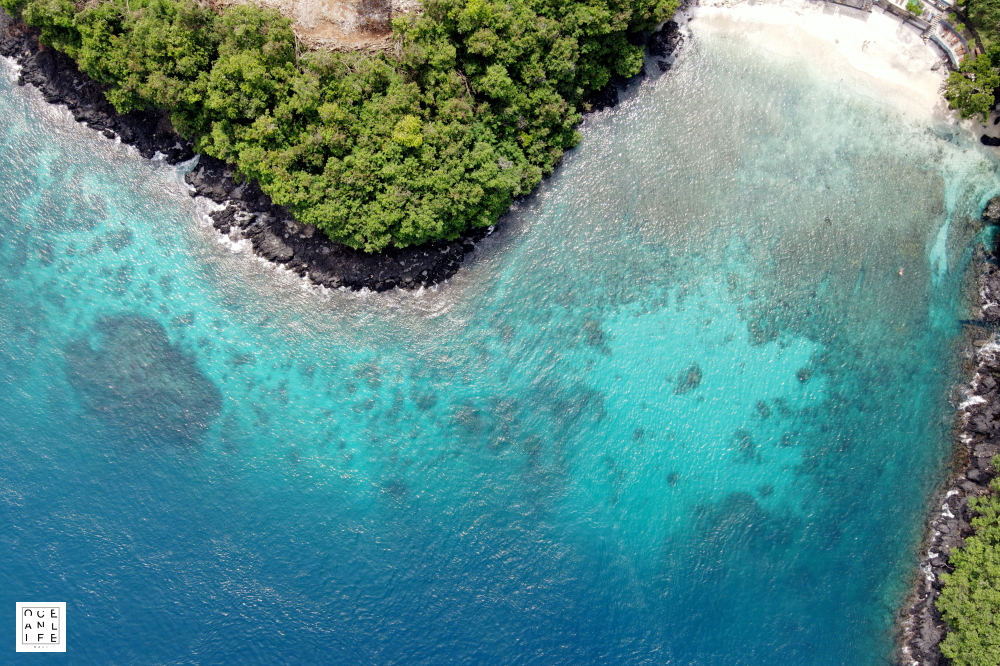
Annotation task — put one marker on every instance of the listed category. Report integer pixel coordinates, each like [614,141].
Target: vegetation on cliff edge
[476,105]
[970,600]
[970,90]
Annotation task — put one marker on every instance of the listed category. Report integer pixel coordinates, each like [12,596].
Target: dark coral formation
[689,380]
[140,384]
[739,522]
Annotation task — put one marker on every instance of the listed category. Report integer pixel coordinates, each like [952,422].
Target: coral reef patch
[137,382]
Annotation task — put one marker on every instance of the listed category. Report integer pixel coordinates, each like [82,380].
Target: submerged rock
[139,383]
[745,446]
[689,380]
[739,522]
[991,214]
[763,410]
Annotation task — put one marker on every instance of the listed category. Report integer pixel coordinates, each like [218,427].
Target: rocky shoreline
[977,432]
[244,211]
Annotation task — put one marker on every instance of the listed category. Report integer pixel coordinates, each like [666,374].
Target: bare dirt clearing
[338,25]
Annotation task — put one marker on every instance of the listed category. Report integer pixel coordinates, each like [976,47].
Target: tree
[970,89]
[970,600]
[152,52]
[376,151]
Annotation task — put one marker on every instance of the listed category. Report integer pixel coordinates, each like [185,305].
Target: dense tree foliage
[478,105]
[984,16]
[970,89]
[970,600]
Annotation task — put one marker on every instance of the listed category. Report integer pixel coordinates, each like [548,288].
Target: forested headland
[474,105]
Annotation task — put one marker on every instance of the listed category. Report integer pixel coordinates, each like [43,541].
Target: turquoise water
[681,409]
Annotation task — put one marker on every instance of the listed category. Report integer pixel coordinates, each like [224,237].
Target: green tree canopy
[970,600]
[970,89]
[374,150]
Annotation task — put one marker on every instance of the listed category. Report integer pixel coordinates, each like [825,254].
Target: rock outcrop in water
[275,235]
[140,384]
[978,440]
[246,211]
[991,214]
[663,44]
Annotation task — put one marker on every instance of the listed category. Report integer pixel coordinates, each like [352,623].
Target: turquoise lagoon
[682,408]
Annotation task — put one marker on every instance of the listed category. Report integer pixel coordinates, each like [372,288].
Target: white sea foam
[205,207]
[973,400]
[11,68]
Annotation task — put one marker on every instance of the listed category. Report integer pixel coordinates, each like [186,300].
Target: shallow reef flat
[685,405]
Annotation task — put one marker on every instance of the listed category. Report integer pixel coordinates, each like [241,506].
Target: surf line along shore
[912,71]
[242,210]
[977,441]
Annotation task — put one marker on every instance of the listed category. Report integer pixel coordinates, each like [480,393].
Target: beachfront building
[932,22]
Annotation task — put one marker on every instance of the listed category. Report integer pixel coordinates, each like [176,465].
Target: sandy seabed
[887,56]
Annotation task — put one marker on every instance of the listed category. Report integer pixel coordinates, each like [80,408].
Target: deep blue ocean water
[681,409]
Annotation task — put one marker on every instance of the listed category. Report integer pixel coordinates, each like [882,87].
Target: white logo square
[41,626]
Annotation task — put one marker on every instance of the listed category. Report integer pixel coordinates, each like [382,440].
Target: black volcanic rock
[278,237]
[604,98]
[666,40]
[991,214]
[248,212]
[60,82]
[977,441]
[661,45]
[274,233]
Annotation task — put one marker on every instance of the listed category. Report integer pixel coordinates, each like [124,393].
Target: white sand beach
[890,56]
